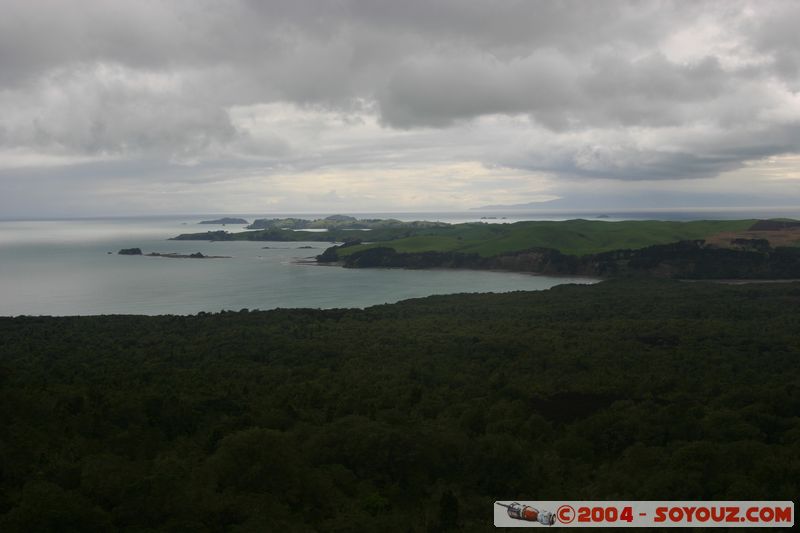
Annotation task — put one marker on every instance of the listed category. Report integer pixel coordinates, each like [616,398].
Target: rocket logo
[529,514]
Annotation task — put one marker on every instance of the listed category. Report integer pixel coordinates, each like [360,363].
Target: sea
[71,267]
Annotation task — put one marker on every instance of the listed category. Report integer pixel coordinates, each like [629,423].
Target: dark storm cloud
[552,88]
[627,90]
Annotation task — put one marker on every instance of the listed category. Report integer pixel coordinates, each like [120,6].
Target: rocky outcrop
[130,251]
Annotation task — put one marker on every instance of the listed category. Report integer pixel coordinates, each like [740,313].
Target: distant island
[171,255]
[335,228]
[196,255]
[336,222]
[130,251]
[223,221]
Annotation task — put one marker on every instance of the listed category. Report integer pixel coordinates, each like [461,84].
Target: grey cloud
[557,90]
[773,30]
[594,85]
[109,110]
[671,157]
[436,91]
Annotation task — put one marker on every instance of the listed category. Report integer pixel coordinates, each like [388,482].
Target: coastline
[314,262]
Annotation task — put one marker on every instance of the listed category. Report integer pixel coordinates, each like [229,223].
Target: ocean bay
[63,267]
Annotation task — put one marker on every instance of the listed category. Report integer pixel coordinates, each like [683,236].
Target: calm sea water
[62,267]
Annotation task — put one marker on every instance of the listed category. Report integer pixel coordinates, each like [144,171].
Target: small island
[130,251]
[171,255]
[225,220]
[196,255]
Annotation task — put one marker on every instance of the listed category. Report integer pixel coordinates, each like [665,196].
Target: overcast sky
[136,107]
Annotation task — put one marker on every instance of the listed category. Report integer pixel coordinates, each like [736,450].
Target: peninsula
[734,249]
[702,249]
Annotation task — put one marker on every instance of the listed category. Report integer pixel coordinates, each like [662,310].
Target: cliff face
[685,260]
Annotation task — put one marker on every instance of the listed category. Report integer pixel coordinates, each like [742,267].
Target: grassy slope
[576,237]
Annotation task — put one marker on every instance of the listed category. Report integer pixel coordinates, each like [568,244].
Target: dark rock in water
[130,251]
[196,255]
[225,220]
[109,253]
[305,247]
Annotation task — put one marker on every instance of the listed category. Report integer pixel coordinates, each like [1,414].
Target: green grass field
[575,237]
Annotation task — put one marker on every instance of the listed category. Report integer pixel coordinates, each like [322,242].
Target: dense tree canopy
[414,416]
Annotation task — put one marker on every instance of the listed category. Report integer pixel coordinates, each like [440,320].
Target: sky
[258,106]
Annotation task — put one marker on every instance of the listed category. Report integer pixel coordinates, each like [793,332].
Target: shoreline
[726,281]
[496,270]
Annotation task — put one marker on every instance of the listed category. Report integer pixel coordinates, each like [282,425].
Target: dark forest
[414,416]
